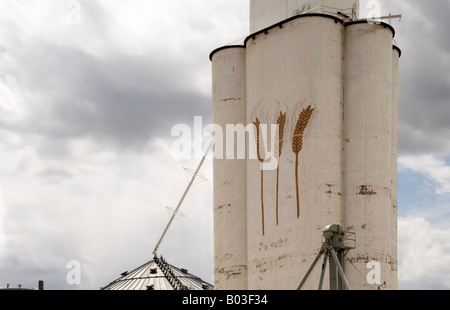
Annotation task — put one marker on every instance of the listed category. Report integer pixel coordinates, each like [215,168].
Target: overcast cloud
[86,112]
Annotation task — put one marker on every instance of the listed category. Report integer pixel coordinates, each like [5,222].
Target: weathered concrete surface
[268,224]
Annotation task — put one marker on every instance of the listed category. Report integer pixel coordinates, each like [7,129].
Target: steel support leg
[341,271]
[310,269]
[322,274]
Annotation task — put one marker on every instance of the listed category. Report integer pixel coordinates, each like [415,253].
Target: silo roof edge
[337,19]
[279,24]
[395,47]
[365,21]
[222,48]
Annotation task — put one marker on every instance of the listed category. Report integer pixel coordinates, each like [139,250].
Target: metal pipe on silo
[291,66]
[368,169]
[230,192]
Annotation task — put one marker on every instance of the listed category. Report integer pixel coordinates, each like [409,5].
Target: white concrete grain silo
[370,83]
[329,81]
[230,177]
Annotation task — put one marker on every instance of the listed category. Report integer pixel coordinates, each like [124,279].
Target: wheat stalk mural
[261,157]
[297,144]
[278,144]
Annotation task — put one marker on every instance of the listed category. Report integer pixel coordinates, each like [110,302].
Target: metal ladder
[168,273]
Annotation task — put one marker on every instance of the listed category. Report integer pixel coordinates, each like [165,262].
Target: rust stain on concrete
[279,243]
[230,99]
[366,190]
[233,272]
[224,206]
[330,190]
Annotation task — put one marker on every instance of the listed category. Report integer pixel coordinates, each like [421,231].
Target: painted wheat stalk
[278,144]
[261,154]
[297,144]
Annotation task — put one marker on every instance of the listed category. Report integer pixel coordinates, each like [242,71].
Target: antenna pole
[182,199]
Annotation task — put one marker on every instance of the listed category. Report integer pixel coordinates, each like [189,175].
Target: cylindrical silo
[230,213]
[294,69]
[395,115]
[368,153]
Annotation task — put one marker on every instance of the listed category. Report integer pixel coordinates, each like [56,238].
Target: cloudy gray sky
[86,111]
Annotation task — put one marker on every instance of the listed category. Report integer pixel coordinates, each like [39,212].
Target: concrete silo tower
[316,89]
